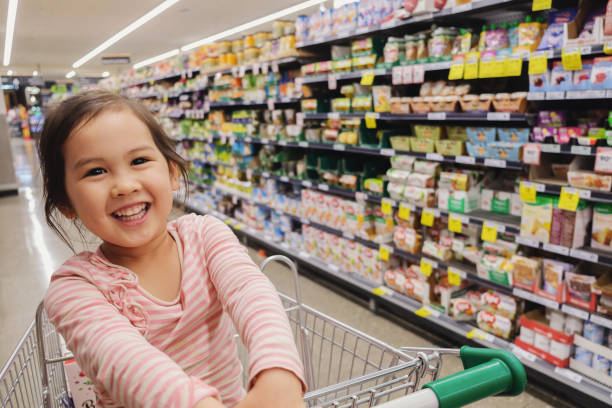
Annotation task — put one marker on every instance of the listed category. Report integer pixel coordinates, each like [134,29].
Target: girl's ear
[174,176]
[67,212]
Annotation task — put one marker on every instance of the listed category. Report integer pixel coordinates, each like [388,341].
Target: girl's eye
[95,172]
[140,160]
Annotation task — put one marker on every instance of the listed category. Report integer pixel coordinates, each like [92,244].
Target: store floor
[30,252]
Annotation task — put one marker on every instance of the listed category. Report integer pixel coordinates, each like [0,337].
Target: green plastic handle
[487,372]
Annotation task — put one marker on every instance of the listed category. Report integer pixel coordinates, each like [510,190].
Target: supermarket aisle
[31,252]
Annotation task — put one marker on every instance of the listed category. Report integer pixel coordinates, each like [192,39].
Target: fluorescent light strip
[251,24]
[158,58]
[10,30]
[70,74]
[136,24]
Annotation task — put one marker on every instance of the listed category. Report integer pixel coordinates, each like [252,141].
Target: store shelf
[432,116]
[583,254]
[590,195]
[409,309]
[238,104]
[567,149]
[379,72]
[187,73]
[570,95]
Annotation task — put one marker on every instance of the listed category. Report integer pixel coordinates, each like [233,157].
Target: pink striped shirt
[140,351]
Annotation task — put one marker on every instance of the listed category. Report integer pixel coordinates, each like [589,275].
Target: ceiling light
[35,73]
[254,23]
[340,3]
[70,74]
[158,58]
[105,74]
[136,24]
[10,30]
[9,72]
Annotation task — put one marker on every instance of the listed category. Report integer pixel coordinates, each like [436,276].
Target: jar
[224,47]
[410,45]
[393,49]
[248,42]
[442,42]
[421,50]
[237,46]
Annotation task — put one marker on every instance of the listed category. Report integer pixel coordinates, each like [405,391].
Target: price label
[513,66]
[489,232]
[265,67]
[495,163]
[498,116]
[538,63]
[455,223]
[271,104]
[427,266]
[423,312]
[387,206]
[465,159]
[434,157]
[531,153]
[579,313]
[539,5]
[471,65]
[454,276]
[387,152]
[481,335]
[384,252]
[456,70]
[380,291]
[418,74]
[571,59]
[557,249]
[569,199]
[367,78]
[323,187]
[332,82]
[407,77]
[404,211]
[528,192]
[370,120]
[572,375]
[436,116]
[551,148]
[602,321]
[397,75]
[584,255]
[307,183]
[603,160]
[519,352]
[427,217]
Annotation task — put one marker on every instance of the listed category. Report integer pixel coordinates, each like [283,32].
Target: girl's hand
[209,403]
[274,388]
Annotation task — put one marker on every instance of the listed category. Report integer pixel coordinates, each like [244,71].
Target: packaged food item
[526,272]
[579,290]
[407,239]
[529,34]
[560,79]
[601,73]
[495,324]
[455,181]
[556,320]
[552,276]
[427,167]
[396,190]
[505,151]
[420,180]
[462,309]
[458,133]
[593,332]
[476,149]
[542,342]
[422,145]
[496,268]
[601,364]
[428,132]
[501,202]
[584,356]
[402,162]
[459,201]
[499,304]
[513,135]
[601,236]
[581,79]
[496,39]
[422,197]
[590,180]
[449,147]
[437,251]
[400,143]
[539,82]
[573,324]
[393,49]
[381,95]
[481,134]
[536,219]
[527,335]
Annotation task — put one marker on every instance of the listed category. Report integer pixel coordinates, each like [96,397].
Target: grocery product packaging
[500,304]
[495,324]
[603,291]
[501,202]
[601,233]
[536,219]
[551,285]
[569,228]
[579,290]
[81,388]
[551,345]
[496,269]
[459,201]
[526,272]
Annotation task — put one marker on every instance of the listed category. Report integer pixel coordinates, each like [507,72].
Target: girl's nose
[124,186]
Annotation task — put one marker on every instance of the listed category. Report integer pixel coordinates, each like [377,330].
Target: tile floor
[30,252]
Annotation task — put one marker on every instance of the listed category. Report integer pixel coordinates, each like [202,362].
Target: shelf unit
[591,393]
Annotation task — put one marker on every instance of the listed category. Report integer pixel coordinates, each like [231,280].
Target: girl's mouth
[132,213]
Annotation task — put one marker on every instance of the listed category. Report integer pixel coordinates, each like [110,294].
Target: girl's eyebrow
[84,161]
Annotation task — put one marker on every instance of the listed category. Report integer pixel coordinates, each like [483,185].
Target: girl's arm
[252,302]
[274,388]
[113,353]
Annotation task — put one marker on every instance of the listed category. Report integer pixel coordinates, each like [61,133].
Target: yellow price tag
[423,312]
[528,193]
[499,66]
[487,68]
[608,48]
[370,120]
[384,252]
[454,224]
[165,99]
[228,221]
[238,227]
[489,232]
[379,291]
[456,71]
[571,58]
[471,70]
[513,67]
[569,199]
[454,277]
[539,5]
[404,211]
[426,267]
[367,78]
[386,206]
[538,63]
[151,82]
[427,217]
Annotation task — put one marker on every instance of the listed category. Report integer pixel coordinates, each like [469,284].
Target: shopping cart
[343,366]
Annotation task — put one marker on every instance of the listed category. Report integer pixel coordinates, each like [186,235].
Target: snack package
[420,180]
[427,167]
[382,96]
[579,290]
[455,181]
[494,324]
[560,79]
[513,135]
[495,268]
[601,235]
[462,309]
[421,197]
[407,239]
[601,73]
[526,272]
[481,134]
[437,251]
[590,180]
[536,219]
[581,79]
[459,201]
[499,304]
[552,276]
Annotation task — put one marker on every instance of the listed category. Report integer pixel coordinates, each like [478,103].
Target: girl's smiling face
[118,182]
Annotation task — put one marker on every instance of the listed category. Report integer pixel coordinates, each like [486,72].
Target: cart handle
[487,372]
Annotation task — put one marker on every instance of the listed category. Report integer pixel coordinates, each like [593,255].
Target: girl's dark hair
[69,116]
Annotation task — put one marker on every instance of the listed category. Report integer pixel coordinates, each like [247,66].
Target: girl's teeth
[131,214]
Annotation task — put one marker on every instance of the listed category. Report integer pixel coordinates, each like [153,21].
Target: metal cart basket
[343,366]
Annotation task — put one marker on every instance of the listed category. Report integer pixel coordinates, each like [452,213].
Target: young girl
[149,315]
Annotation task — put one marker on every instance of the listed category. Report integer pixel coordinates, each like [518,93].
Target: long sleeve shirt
[140,351]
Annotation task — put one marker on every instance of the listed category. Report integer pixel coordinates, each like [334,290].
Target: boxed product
[407,239]
[560,79]
[526,272]
[569,228]
[539,82]
[551,345]
[420,180]
[481,134]
[501,202]
[396,190]
[459,201]
[382,96]
[579,290]
[458,133]
[421,197]
[565,134]
[496,269]
[461,309]
[601,73]
[422,145]
[444,292]
[513,135]
[581,79]
[505,151]
[476,149]
[536,219]
[541,133]
[457,181]
[551,284]
[427,167]
[495,324]
[398,176]
[449,147]
[589,179]
[603,290]
[437,251]
[402,162]
[500,304]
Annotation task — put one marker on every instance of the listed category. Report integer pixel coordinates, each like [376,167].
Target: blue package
[593,332]
[504,151]
[476,149]
[513,135]
[584,356]
[481,134]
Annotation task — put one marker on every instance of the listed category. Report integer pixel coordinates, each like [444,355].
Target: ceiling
[51,35]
